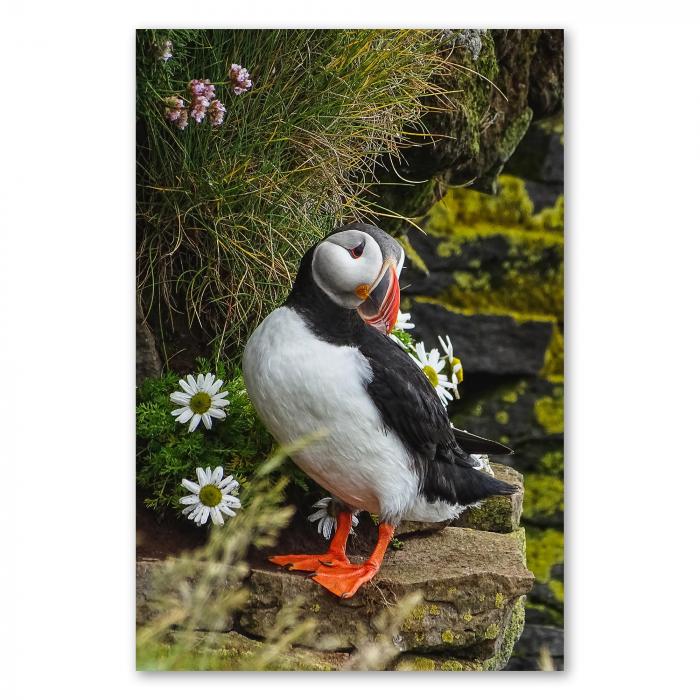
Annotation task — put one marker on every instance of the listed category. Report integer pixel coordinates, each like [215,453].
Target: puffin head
[358,267]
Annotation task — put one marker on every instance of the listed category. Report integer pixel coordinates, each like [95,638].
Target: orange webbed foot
[346,581]
[311,562]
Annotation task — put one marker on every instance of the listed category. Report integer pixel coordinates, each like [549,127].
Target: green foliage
[167,452]
[225,213]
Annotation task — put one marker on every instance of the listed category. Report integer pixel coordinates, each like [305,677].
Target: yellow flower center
[210,495]
[200,402]
[431,374]
[457,369]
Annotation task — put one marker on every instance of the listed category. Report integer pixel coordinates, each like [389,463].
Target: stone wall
[473,581]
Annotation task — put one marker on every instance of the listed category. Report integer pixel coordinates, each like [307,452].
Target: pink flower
[202,88]
[181,122]
[216,113]
[174,106]
[198,108]
[240,79]
[166,50]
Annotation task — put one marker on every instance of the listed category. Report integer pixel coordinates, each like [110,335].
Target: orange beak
[381,307]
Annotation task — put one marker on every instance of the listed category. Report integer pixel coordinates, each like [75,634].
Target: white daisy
[455,363]
[431,364]
[403,322]
[326,516]
[200,400]
[211,496]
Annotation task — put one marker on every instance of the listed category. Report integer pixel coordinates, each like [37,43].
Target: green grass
[223,215]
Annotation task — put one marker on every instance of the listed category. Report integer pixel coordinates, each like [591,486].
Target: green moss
[545,548]
[549,411]
[434,610]
[451,665]
[501,417]
[544,496]
[510,396]
[557,588]
[500,600]
[465,213]
[552,463]
[491,632]
[467,616]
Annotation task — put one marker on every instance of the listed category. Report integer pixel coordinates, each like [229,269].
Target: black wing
[410,406]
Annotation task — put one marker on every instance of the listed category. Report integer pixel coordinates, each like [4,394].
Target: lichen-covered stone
[506,638]
[470,582]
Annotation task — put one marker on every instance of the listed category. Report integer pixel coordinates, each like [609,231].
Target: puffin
[323,364]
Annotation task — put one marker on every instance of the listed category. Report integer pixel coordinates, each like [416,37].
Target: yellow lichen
[448,636]
[549,411]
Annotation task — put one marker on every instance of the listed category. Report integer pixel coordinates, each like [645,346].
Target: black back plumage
[406,400]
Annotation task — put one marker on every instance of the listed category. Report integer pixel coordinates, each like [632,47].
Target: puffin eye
[357,250]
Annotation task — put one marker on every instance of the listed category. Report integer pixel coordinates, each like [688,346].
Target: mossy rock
[498,513]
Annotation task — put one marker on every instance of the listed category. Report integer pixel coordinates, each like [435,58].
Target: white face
[346,265]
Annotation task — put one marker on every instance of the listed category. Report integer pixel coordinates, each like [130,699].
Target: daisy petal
[229,487]
[189,500]
[186,387]
[191,486]
[216,413]
[202,477]
[328,527]
[206,419]
[216,516]
[217,475]
[227,510]
[195,422]
[220,395]
[231,501]
[208,381]
[204,516]
[185,415]
[178,411]
[216,386]
[316,516]
[195,513]
[193,384]
[225,482]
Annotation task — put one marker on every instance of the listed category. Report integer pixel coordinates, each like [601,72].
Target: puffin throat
[381,308]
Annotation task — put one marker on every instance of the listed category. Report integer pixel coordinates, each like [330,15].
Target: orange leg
[335,556]
[345,582]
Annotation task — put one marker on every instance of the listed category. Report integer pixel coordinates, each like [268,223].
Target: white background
[66,394]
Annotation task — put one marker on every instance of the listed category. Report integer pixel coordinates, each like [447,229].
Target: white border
[67,346]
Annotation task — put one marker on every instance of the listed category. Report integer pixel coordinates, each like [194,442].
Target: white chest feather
[299,385]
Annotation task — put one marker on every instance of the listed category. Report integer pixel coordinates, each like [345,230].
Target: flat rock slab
[471,582]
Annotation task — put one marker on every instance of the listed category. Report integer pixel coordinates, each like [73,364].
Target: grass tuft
[224,214]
